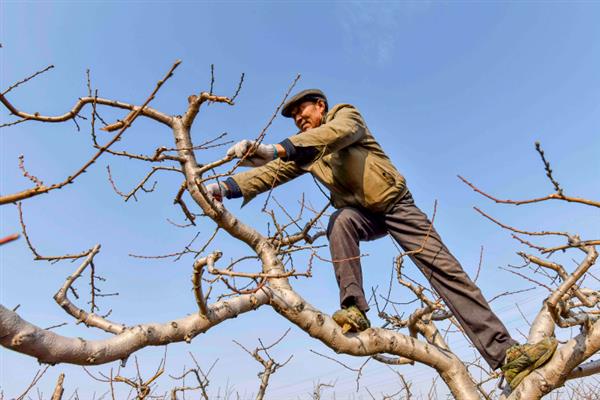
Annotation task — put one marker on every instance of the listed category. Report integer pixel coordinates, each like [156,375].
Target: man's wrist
[225,191]
[279,151]
[234,190]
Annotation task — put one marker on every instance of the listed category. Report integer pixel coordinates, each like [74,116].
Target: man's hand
[217,191]
[263,153]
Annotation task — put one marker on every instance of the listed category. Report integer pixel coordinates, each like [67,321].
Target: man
[372,200]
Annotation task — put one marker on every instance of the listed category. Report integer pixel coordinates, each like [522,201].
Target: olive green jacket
[348,161]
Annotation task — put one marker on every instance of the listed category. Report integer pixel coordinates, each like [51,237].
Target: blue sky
[446,87]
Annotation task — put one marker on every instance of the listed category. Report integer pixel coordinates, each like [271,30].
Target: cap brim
[286,111]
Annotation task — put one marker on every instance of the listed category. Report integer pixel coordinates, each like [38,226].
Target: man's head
[307,108]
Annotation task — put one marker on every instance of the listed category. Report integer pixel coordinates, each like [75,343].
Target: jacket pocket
[377,183]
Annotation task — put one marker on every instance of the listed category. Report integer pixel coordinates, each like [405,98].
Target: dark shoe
[351,319]
[521,359]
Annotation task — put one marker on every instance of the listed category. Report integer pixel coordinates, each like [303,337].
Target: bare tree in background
[403,339]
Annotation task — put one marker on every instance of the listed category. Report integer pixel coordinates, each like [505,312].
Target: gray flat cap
[308,94]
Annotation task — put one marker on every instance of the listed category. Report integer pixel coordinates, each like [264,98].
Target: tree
[569,303]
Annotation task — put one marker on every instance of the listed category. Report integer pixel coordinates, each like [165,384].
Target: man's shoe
[351,319]
[521,359]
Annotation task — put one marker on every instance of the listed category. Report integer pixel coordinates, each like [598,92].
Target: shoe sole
[545,357]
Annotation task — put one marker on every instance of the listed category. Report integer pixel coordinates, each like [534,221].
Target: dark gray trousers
[408,225]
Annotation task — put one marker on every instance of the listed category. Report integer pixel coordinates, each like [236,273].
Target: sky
[447,88]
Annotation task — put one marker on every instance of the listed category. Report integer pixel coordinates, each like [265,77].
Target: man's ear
[322,106]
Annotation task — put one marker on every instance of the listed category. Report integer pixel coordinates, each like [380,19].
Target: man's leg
[409,226]
[347,227]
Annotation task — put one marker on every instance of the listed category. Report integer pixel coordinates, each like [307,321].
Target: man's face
[308,114]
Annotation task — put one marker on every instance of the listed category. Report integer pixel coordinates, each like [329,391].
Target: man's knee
[342,219]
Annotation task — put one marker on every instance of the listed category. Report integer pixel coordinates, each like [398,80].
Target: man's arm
[254,181]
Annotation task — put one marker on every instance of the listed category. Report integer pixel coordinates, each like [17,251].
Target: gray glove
[217,191]
[263,153]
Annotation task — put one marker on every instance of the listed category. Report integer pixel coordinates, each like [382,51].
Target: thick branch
[49,347]
[374,341]
[146,112]
[587,369]
[542,326]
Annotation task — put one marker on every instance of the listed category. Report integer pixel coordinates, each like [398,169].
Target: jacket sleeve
[346,127]
[254,181]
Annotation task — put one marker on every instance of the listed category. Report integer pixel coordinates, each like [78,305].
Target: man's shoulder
[340,107]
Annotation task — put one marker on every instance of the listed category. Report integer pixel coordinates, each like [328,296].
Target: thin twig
[239,87]
[553,196]
[510,228]
[548,170]
[36,378]
[27,79]
[46,258]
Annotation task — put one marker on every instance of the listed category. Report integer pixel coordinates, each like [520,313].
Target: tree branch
[45,189]
[146,112]
[49,347]
[553,196]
